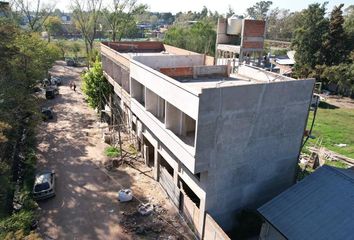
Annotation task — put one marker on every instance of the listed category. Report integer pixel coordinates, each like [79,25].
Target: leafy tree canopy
[200,37]
[95,86]
[259,10]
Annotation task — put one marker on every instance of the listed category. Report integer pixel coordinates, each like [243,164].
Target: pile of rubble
[144,219]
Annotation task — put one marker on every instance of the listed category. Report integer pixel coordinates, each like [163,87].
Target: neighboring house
[319,207]
[65,19]
[283,64]
[217,142]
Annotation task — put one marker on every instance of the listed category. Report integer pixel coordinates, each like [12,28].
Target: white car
[44,185]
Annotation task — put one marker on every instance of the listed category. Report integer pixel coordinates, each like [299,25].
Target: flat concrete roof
[216,82]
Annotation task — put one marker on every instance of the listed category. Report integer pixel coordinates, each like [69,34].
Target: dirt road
[85,206]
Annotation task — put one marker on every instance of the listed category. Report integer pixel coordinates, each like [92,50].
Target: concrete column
[156,170]
[201,218]
[146,154]
[240,57]
[175,173]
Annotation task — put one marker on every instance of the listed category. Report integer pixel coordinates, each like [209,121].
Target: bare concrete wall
[250,136]
[166,61]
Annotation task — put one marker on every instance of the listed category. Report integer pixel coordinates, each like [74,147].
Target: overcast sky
[221,6]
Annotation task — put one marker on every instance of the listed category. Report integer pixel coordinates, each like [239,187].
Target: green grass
[80,44]
[112,152]
[334,126]
[336,164]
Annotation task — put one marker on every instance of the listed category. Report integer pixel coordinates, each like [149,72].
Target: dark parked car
[50,93]
[47,114]
[71,62]
[44,185]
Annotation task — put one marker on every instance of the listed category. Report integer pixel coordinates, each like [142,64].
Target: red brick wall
[254,28]
[177,72]
[136,46]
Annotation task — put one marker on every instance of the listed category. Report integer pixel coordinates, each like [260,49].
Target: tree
[121,18]
[75,48]
[259,10]
[86,14]
[308,39]
[200,37]
[53,26]
[349,26]
[281,24]
[34,12]
[230,11]
[175,36]
[95,86]
[168,18]
[204,13]
[335,45]
[62,47]
[24,60]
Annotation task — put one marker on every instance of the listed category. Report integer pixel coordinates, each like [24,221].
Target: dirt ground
[341,102]
[86,205]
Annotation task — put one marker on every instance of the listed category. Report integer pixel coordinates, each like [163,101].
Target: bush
[112,152]
[20,235]
[95,86]
[20,221]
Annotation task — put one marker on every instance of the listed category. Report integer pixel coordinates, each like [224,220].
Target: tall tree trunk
[87,54]
[114,35]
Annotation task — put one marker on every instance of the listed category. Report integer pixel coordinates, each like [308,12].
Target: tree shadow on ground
[325,105]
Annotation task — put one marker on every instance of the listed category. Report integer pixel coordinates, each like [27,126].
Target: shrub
[112,152]
[20,221]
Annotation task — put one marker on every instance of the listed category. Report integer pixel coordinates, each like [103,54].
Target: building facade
[217,142]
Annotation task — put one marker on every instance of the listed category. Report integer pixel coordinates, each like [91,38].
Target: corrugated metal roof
[286,61]
[319,207]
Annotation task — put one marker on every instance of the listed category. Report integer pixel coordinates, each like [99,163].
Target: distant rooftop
[319,207]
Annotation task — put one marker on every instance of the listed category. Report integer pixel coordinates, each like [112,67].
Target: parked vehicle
[44,185]
[56,81]
[71,62]
[46,82]
[47,114]
[50,93]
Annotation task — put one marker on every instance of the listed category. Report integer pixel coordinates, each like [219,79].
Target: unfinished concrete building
[240,40]
[217,142]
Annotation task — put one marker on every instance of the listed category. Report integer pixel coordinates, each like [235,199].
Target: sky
[221,6]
